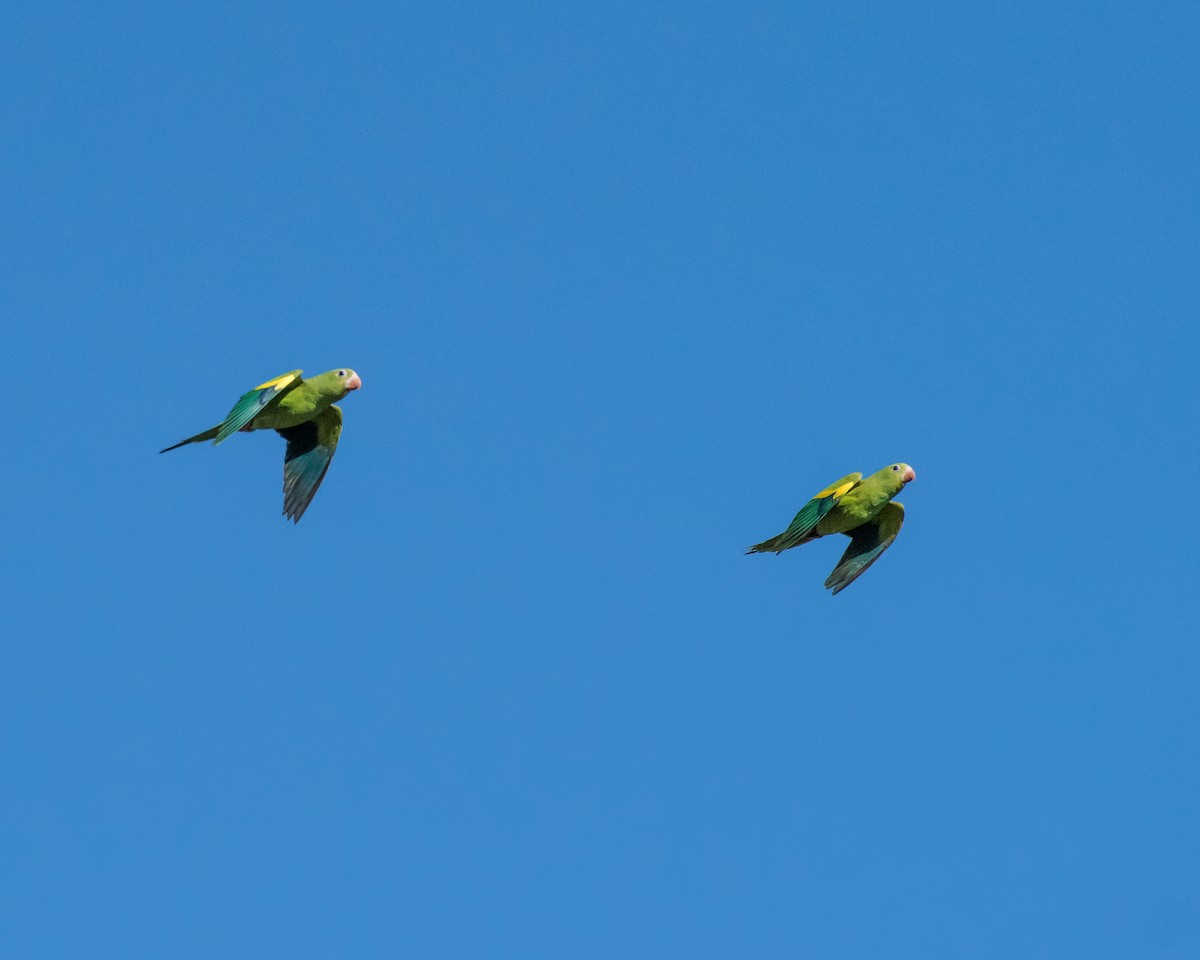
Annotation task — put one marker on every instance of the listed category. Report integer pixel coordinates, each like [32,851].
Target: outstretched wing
[252,404]
[809,516]
[867,543]
[310,447]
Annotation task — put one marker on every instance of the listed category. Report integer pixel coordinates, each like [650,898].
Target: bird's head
[338,382]
[896,475]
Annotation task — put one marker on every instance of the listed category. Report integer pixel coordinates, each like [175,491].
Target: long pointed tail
[781,542]
[206,435]
[767,546]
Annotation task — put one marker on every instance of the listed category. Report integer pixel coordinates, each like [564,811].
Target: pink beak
[354,382]
[909,475]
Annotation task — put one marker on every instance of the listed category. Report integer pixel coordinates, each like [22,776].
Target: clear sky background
[626,283]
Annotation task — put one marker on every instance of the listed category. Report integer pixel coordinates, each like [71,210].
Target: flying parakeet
[861,509]
[300,411]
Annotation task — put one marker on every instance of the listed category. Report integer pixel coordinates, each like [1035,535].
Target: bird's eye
[342,373]
[896,467]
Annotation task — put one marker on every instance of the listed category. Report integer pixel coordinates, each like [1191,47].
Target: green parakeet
[861,509]
[300,411]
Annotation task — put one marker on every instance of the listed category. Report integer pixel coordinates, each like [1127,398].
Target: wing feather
[310,449]
[809,516]
[867,543]
[254,402]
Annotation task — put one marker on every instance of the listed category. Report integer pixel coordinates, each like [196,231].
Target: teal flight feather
[253,403]
[310,448]
[867,544]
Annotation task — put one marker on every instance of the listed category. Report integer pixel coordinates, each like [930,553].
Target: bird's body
[303,413]
[862,509]
[859,504]
[297,406]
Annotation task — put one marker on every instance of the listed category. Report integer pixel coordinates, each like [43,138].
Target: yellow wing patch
[280,382]
[840,487]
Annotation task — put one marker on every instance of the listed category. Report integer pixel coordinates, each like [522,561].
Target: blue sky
[626,284]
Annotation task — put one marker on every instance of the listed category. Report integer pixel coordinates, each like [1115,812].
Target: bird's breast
[855,508]
[290,411]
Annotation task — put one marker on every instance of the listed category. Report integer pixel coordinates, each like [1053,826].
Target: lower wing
[310,448]
[867,543]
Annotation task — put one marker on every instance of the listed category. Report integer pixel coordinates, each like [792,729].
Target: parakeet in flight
[300,411]
[861,509]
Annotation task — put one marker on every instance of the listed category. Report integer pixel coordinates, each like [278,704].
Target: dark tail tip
[206,435]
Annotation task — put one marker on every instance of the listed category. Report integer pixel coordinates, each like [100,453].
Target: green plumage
[302,412]
[857,507]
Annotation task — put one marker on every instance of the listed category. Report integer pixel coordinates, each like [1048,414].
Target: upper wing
[809,516]
[251,404]
[310,447]
[867,543]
